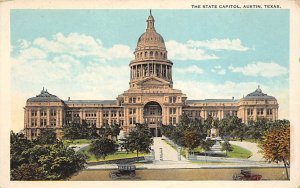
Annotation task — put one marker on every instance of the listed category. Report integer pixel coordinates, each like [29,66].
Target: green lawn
[239,152]
[117,155]
[77,141]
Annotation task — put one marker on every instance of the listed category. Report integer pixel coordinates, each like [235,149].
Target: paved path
[169,153]
[78,147]
[256,156]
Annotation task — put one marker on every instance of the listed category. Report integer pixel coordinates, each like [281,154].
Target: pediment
[153,81]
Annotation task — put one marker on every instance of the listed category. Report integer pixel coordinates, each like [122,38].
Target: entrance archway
[153,117]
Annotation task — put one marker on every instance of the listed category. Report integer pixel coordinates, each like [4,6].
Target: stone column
[166,71]
[202,114]
[100,118]
[177,115]
[81,115]
[48,117]
[118,116]
[148,70]
[168,115]
[27,118]
[254,114]
[57,118]
[109,117]
[39,117]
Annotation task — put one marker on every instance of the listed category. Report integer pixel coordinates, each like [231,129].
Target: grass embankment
[257,141]
[239,152]
[117,155]
[77,142]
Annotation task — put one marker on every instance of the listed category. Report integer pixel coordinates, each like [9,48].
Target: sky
[84,54]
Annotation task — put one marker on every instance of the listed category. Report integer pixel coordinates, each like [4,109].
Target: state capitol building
[150,99]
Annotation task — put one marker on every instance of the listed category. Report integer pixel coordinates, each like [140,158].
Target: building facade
[150,99]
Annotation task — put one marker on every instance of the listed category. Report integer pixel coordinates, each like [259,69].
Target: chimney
[68,98]
[232,98]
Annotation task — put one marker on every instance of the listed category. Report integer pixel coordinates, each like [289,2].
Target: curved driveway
[256,156]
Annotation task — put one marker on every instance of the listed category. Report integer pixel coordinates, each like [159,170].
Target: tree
[226,146]
[32,161]
[275,146]
[102,147]
[115,130]
[75,130]
[191,139]
[233,127]
[206,145]
[27,172]
[18,143]
[139,139]
[47,136]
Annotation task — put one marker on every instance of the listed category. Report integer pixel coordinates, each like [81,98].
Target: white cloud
[181,51]
[218,69]
[32,53]
[191,69]
[263,69]
[219,44]
[197,50]
[81,45]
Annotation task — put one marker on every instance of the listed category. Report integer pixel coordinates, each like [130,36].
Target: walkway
[169,153]
[78,147]
[256,156]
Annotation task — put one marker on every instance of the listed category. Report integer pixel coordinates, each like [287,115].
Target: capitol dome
[150,38]
[151,59]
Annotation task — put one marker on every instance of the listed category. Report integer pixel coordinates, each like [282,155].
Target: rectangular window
[53,113]
[105,114]
[132,120]
[33,122]
[33,113]
[132,100]
[43,122]
[249,112]
[43,113]
[172,110]
[269,112]
[172,99]
[132,111]
[260,111]
[172,120]
[53,122]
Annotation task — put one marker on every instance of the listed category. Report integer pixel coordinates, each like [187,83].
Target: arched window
[161,55]
[138,55]
[151,54]
[165,55]
[156,54]
[146,54]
